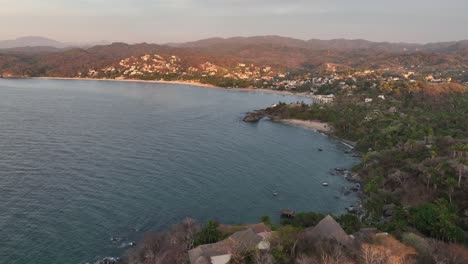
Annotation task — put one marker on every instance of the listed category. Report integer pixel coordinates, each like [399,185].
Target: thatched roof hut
[329,229]
[220,252]
[203,254]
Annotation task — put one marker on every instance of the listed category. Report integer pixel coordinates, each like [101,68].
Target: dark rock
[352,210]
[353,178]
[388,210]
[108,260]
[341,170]
[345,172]
[367,232]
[253,117]
[356,188]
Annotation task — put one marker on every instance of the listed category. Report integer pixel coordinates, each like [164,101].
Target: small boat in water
[325,184]
[128,244]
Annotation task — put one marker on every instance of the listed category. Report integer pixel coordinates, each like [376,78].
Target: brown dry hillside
[278,52]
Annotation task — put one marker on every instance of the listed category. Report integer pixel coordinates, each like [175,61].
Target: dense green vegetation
[437,220]
[349,222]
[208,234]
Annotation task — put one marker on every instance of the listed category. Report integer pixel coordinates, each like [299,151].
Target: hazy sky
[163,21]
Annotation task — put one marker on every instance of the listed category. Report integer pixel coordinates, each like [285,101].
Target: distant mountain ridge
[272,41]
[333,44]
[279,53]
[37,41]
[31,41]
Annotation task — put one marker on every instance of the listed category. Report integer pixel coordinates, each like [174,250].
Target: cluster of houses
[323,99]
[432,79]
[251,72]
[154,64]
[255,237]
[134,67]
[159,66]
[259,237]
[348,80]
[370,100]
[146,64]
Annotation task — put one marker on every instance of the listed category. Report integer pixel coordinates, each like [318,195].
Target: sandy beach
[194,83]
[311,124]
[319,126]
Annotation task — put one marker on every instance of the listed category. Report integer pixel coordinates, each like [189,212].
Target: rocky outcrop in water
[274,112]
[255,116]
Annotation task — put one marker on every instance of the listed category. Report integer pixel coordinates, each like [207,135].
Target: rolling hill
[280,53]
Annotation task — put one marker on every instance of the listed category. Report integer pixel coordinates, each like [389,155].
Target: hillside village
[242,75]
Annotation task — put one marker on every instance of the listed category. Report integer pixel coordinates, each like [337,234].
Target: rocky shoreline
[354,178]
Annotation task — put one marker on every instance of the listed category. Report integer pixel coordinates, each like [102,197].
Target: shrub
[267,221]
[304,220]
[208,234]
[399,221]
[349,222]
[283,243]
[437,220]
[419,244]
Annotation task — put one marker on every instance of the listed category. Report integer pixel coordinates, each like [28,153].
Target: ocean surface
[84,161]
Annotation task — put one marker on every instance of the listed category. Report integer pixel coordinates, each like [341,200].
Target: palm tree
[459,152]
[450,182]
[365,159]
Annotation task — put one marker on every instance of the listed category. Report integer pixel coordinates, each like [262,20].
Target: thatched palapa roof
[328,228]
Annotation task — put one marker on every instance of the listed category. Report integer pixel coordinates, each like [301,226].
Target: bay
[84,161]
